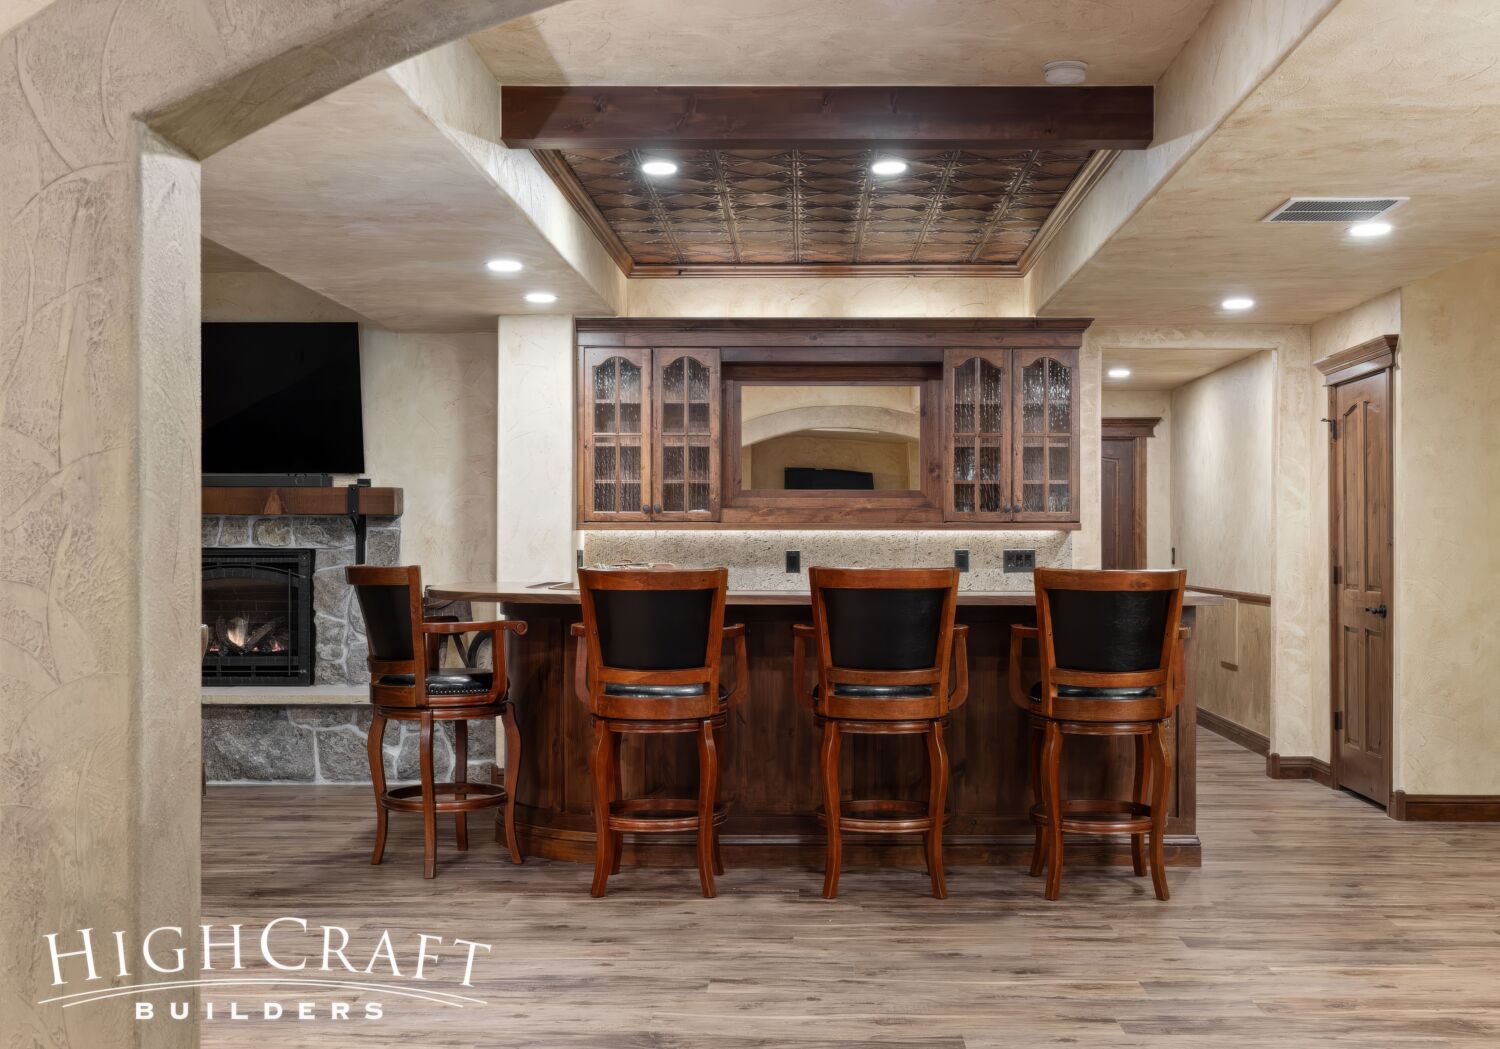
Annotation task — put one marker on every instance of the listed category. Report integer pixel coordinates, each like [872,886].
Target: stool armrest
[435,631]
[580,663]
[1018,636]
[493,626]
[801,632]
[736,633]
[960,694]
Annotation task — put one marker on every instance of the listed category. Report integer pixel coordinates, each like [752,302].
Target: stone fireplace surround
[307,738]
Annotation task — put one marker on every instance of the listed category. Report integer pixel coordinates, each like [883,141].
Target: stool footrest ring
[1091,816]
[648,814]
[882,816]
[451,797]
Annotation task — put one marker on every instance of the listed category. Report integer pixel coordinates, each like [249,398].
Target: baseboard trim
[1238,734]
[1281,766]
[1444,808]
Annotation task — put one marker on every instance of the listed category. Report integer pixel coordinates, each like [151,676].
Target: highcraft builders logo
[286,969]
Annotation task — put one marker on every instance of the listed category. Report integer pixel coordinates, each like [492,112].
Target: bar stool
[407,684]
[1110,648]
[648,663]
[883,641]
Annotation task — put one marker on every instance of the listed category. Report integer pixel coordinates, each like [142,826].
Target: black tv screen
[801,478]
[282,398]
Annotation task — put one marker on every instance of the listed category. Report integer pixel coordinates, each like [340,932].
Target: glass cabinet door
[615,417]
[975,427]
[1046,407]
[686,463]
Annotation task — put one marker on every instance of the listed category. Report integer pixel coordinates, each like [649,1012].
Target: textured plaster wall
[534,434]
[262,295]
[1127,404]
[429,410]
[99,531]
[1447,466]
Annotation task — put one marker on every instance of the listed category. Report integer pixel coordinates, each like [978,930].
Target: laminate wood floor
[1315,921]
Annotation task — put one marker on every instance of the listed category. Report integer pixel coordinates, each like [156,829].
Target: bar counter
[769,752]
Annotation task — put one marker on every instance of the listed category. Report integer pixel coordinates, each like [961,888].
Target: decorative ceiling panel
[763,209]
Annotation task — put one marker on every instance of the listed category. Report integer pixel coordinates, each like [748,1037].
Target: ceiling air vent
[1334,209]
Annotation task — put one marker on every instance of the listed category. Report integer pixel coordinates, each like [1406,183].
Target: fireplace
[258,605]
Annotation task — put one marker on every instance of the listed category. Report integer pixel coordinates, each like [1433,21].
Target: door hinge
[1338,721]
[1337,575]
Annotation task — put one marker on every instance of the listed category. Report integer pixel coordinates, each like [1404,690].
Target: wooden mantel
[302,502]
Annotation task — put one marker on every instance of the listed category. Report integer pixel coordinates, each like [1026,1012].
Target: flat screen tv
[282,399]
[801,478]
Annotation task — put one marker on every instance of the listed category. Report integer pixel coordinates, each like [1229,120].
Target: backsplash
[756,559]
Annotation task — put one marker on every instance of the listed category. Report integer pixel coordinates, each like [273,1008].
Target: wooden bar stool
[883,640]
[648,663]
[407,684]
[1111,660]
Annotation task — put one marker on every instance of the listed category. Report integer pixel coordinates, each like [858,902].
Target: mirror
[824,436]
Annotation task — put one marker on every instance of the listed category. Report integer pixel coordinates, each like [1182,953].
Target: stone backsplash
[338,629]
[756,559]
[325,744]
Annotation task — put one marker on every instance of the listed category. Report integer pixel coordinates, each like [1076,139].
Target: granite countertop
[566,593]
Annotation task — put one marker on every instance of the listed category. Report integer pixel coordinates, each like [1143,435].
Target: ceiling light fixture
[541,298]
[1119,373]
[888,166]
[1237,302]
[1065,72]
[1366,230]
[659,167]
[503,265]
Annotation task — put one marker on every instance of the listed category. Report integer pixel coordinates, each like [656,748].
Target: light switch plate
[961,560]
[1020,560]
[794,561]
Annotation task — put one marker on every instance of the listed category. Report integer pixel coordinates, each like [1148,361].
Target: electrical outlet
[961,560]
[794,561]
[1020,560]
[580,559]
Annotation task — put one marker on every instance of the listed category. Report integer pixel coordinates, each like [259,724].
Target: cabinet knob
[656,509]
[645,509]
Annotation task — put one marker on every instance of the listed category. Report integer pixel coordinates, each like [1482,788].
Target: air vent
[1334,209]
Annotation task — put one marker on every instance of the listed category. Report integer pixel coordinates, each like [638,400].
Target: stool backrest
[653,627]
[1108,629]
[390,600]
[888,628]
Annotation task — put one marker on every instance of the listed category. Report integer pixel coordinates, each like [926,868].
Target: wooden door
[685,436]
[614,420]
[1360,492]
[976,436]
[1121,530]
[1045,467]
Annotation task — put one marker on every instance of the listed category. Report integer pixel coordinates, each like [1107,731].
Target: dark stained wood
[789,212]
[1122,495]
[1283,766]
[1219,725]
[683,425]
[768,769]
[841,336]
[1360,513]
[1059,714]
[1242,596]
[503,591]
[613,717]
[826,117]
[1046,414]
[1366,358]
[413,702]
[1445,808]
[615,402]
[309,502]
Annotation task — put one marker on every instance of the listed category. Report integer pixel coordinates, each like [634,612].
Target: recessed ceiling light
[1237,302]
[1065,72]
[659,167]
[889,166]
[1369,229]
[503,265]
[1119,373]
[541,298]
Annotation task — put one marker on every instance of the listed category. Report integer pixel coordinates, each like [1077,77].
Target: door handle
[1379,610]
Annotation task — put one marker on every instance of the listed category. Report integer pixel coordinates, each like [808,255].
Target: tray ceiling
[742,211]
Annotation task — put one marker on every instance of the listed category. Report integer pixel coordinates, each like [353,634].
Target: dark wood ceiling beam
[826,117]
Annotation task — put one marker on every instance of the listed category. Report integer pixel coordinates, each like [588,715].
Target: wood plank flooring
[1314,921]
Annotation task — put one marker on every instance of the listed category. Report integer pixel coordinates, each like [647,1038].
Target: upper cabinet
[858,423]
[649,434]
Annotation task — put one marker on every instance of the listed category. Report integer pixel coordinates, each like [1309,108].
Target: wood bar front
[769,753]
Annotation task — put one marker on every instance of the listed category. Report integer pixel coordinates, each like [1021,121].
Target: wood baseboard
[1280,766]
[1238,734]
[1444,808]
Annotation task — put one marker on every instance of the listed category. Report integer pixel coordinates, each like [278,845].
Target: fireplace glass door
[258,608]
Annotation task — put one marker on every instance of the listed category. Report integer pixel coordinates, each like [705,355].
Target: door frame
[1140,429]
[1357,362]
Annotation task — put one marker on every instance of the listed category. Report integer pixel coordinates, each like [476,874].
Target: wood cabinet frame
[844,352]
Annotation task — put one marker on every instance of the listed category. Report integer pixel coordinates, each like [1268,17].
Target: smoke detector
[1065,72]
[1345,210]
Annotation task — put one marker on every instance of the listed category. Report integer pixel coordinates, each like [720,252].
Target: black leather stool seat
[446,682]
[661,691]
[1077,692]
[880,691]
